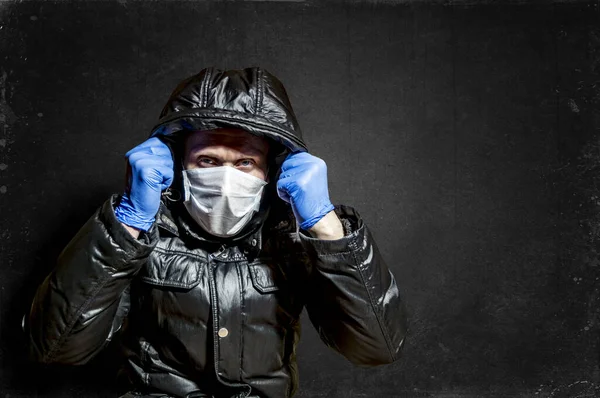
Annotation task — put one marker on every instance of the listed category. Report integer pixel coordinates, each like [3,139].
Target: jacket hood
[251,99]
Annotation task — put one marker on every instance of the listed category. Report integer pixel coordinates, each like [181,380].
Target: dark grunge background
[464,133]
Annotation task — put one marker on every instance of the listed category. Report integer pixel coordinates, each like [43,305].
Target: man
[224,234]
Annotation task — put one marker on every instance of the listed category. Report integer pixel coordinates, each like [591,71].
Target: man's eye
[206,162]
[245,163]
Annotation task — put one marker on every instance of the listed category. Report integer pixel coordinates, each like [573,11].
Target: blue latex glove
[151,173]
[303,184]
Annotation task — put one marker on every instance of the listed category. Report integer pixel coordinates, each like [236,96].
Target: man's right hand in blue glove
[151,173]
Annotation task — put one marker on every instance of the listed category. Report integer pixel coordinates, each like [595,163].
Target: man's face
[227,147]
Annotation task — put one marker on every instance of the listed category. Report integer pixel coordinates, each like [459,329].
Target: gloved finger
[151,172]
[295,155]
[155,179]
[292,160]
[154,141]
[282,190]
[167,174]
[298,176]
[284,196]
[287,174]
[137,157]
[150,152]
[153,145]
[299,159]
[142,146]
[165,185]
[289,186]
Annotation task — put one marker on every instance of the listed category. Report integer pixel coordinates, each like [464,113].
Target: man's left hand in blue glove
[303,184]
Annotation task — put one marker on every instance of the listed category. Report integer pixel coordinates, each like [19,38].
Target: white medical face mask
[221,199]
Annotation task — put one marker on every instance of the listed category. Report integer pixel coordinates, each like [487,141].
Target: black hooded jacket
[200,316]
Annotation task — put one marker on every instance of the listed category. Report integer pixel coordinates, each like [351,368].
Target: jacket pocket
[265,277]
[172,270]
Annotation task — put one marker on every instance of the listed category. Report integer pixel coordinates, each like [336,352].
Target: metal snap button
[223,332]
[253,243]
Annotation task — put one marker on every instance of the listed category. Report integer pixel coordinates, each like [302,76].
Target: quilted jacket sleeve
[353,300]
[80,304]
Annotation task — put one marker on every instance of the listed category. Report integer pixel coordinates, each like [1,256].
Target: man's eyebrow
[248,149]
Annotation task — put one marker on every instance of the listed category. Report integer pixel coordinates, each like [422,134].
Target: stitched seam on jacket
[259,91]
[205,87]
[185,254]
[373,306]
[334,254]
[162,282]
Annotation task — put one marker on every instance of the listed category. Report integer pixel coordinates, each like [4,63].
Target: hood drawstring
[172,195]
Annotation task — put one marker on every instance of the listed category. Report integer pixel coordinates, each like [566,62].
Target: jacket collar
[180,224]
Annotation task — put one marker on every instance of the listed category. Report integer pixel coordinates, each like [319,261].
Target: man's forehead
[226,136]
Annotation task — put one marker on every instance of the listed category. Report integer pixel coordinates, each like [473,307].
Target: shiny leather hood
[251,99]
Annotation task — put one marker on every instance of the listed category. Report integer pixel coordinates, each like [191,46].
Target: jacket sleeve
[80,304]
[353,300]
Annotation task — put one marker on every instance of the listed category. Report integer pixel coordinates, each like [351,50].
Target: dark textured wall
[464,135]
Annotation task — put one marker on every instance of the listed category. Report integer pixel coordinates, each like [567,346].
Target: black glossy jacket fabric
[206,317]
